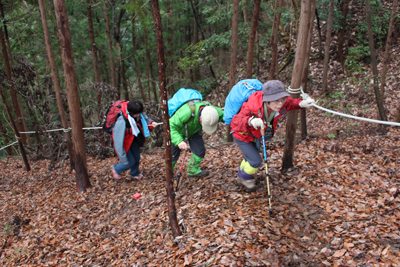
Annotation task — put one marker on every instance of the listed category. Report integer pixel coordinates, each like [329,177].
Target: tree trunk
[153,81]
[232,73]
[109,45]
[250,54]
[304,82]
[196,70]
[302,41]
[274,56]
[386,58]
[124,81]
[82,179]
[327,48]
[56,83]
[319,34]
[3,132]
[117,38]
[379,100]
[171,51]
[14,98]
[148,64]
[95,60]
[14,126]
[345,10]
[167,136]
[136,61]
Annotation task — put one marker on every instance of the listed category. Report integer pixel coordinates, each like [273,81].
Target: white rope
[305,96]
[8,145]
[357,118]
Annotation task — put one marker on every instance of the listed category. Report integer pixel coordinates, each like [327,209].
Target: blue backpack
[238,95]
[181,97]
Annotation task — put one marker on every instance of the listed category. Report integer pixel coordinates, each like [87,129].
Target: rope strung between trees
[305,96]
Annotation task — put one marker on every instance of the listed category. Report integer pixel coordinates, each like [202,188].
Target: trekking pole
[266,170]
[180,172]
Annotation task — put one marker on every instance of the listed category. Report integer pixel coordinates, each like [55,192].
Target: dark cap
[273,90]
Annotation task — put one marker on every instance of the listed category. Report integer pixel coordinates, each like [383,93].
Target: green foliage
[331,135]
[337,95]
[354,59]
[197,56]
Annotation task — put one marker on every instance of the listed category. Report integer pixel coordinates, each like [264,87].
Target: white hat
[209,119]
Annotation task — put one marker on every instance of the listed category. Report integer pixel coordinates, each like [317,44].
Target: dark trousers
[133,156]
[250,151]
[196,144]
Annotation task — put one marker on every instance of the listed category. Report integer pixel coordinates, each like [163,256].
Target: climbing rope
[304,96]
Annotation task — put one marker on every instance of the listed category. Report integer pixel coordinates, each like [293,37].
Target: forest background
[114,48]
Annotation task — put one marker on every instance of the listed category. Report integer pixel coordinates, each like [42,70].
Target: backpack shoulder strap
[269,118]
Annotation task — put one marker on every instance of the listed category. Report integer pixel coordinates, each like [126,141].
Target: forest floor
[339,205]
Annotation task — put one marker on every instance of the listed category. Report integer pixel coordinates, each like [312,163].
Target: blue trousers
[133,156]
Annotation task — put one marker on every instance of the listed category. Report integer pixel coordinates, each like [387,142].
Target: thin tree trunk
[196,70]
[82,178]
[153,81]
[171,51]
[274,57]
[386,58]
[379,100]
[95,60]
[345,10]
[232,73]
[109,45]
[167,137]
[124,81]
[327,48]
[319,34]
[56,83]
[13,93]
[136,61]
[302,41]
[304,82]
[14,126]
[250,54]
[148,64]
[117,38]
[3,133]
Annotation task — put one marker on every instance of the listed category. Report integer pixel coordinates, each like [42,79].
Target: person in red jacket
[261,110]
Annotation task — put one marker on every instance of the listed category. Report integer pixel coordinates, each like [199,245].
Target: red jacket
[254,108]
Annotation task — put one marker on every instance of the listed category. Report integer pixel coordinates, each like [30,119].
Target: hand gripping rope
[304,96]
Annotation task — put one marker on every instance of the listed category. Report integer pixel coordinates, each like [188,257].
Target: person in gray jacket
[129,134]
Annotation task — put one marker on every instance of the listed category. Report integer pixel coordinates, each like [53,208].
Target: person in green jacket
[186,125]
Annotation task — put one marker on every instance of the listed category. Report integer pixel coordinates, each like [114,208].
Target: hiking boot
[248,184]
[115,174]
[200,174]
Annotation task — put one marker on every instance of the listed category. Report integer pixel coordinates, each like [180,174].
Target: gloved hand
[182,145]
[256,123]
[154,124]
[307,103]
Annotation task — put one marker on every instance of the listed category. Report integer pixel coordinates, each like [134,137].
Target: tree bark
[274,56]
[167,135]
[252,37]
[148,59]
[124,81]
[14,126]
[14,98]
[386,58]
[109,45]
[82,178]
[136,61]
[345,10]
[171,51]
[3,133]
[232,73]
[304,82]
[117,38]
[319,34]
[95,60]
[302,38]
[379,100]
[56,83]
[327,48]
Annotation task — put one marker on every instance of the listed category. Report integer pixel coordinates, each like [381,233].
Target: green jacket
[182,115]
